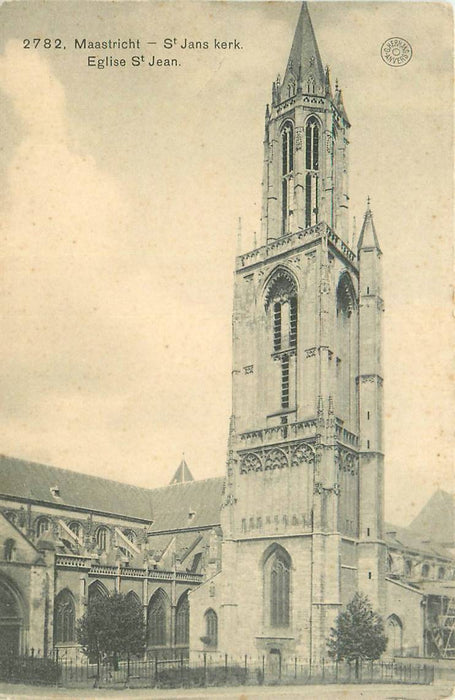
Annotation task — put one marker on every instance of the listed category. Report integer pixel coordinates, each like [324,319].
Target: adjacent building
[259,562]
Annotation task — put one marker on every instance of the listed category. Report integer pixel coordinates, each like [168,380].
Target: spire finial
[368,202]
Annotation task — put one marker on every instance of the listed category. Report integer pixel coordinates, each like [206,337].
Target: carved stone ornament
[303,453]
[250,463]
[281,287]
[298,138]
[324,287]
[275,459]
[348,461]
[249,369]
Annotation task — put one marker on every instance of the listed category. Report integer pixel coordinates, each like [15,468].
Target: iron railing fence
[205,669]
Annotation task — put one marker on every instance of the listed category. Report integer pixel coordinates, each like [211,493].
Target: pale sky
[120,194]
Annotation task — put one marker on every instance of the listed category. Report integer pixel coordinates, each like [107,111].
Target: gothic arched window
[97,591]
[277,579]
[76,529]
[312,171]
[211,628]
[394,630]
[346,348]
[425,570]
[182,620]
[157,619]
[101,538]
[11,619]
[287,169]
[64,617]
[281,303]
[43,526]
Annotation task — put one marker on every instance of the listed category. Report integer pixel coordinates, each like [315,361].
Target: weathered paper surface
[121,191]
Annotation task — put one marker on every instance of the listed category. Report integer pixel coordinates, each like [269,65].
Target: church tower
[302,511]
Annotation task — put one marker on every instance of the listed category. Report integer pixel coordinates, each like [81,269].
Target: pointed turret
[183,474]
[338,101]
[328,87]
[368,237]
[304,64]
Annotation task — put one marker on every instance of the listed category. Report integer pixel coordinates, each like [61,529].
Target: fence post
[263,668]
[295,667]
[336,670]
[156,669]
[205,668]
[279,666]
[57,673]
[323,668]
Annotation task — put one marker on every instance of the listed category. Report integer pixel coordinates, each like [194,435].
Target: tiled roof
[437,518]
[193,504]
[35,481]
[405,539]
[169,507]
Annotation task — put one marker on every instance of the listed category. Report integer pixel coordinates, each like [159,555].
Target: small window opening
[369,574]
[368,531]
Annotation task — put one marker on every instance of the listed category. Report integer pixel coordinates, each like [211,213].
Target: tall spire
[368,237]
[304,61]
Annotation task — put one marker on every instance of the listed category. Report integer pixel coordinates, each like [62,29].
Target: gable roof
[33,481]
[437,518]
[193,504]
[168,508]
[405,539]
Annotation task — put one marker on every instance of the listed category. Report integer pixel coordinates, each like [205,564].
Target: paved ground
[438,691]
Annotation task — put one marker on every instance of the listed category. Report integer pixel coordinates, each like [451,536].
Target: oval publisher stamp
[396,51]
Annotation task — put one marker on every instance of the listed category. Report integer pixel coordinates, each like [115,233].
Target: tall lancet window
[277,588]
[287,176]
[281,304]
[345,348]
[312,171]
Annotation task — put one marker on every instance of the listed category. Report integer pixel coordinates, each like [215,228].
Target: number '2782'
[44,43]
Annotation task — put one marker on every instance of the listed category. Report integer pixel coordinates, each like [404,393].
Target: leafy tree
[112,627]
[358,633]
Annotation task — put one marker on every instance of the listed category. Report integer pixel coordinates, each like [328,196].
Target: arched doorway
[11,620]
